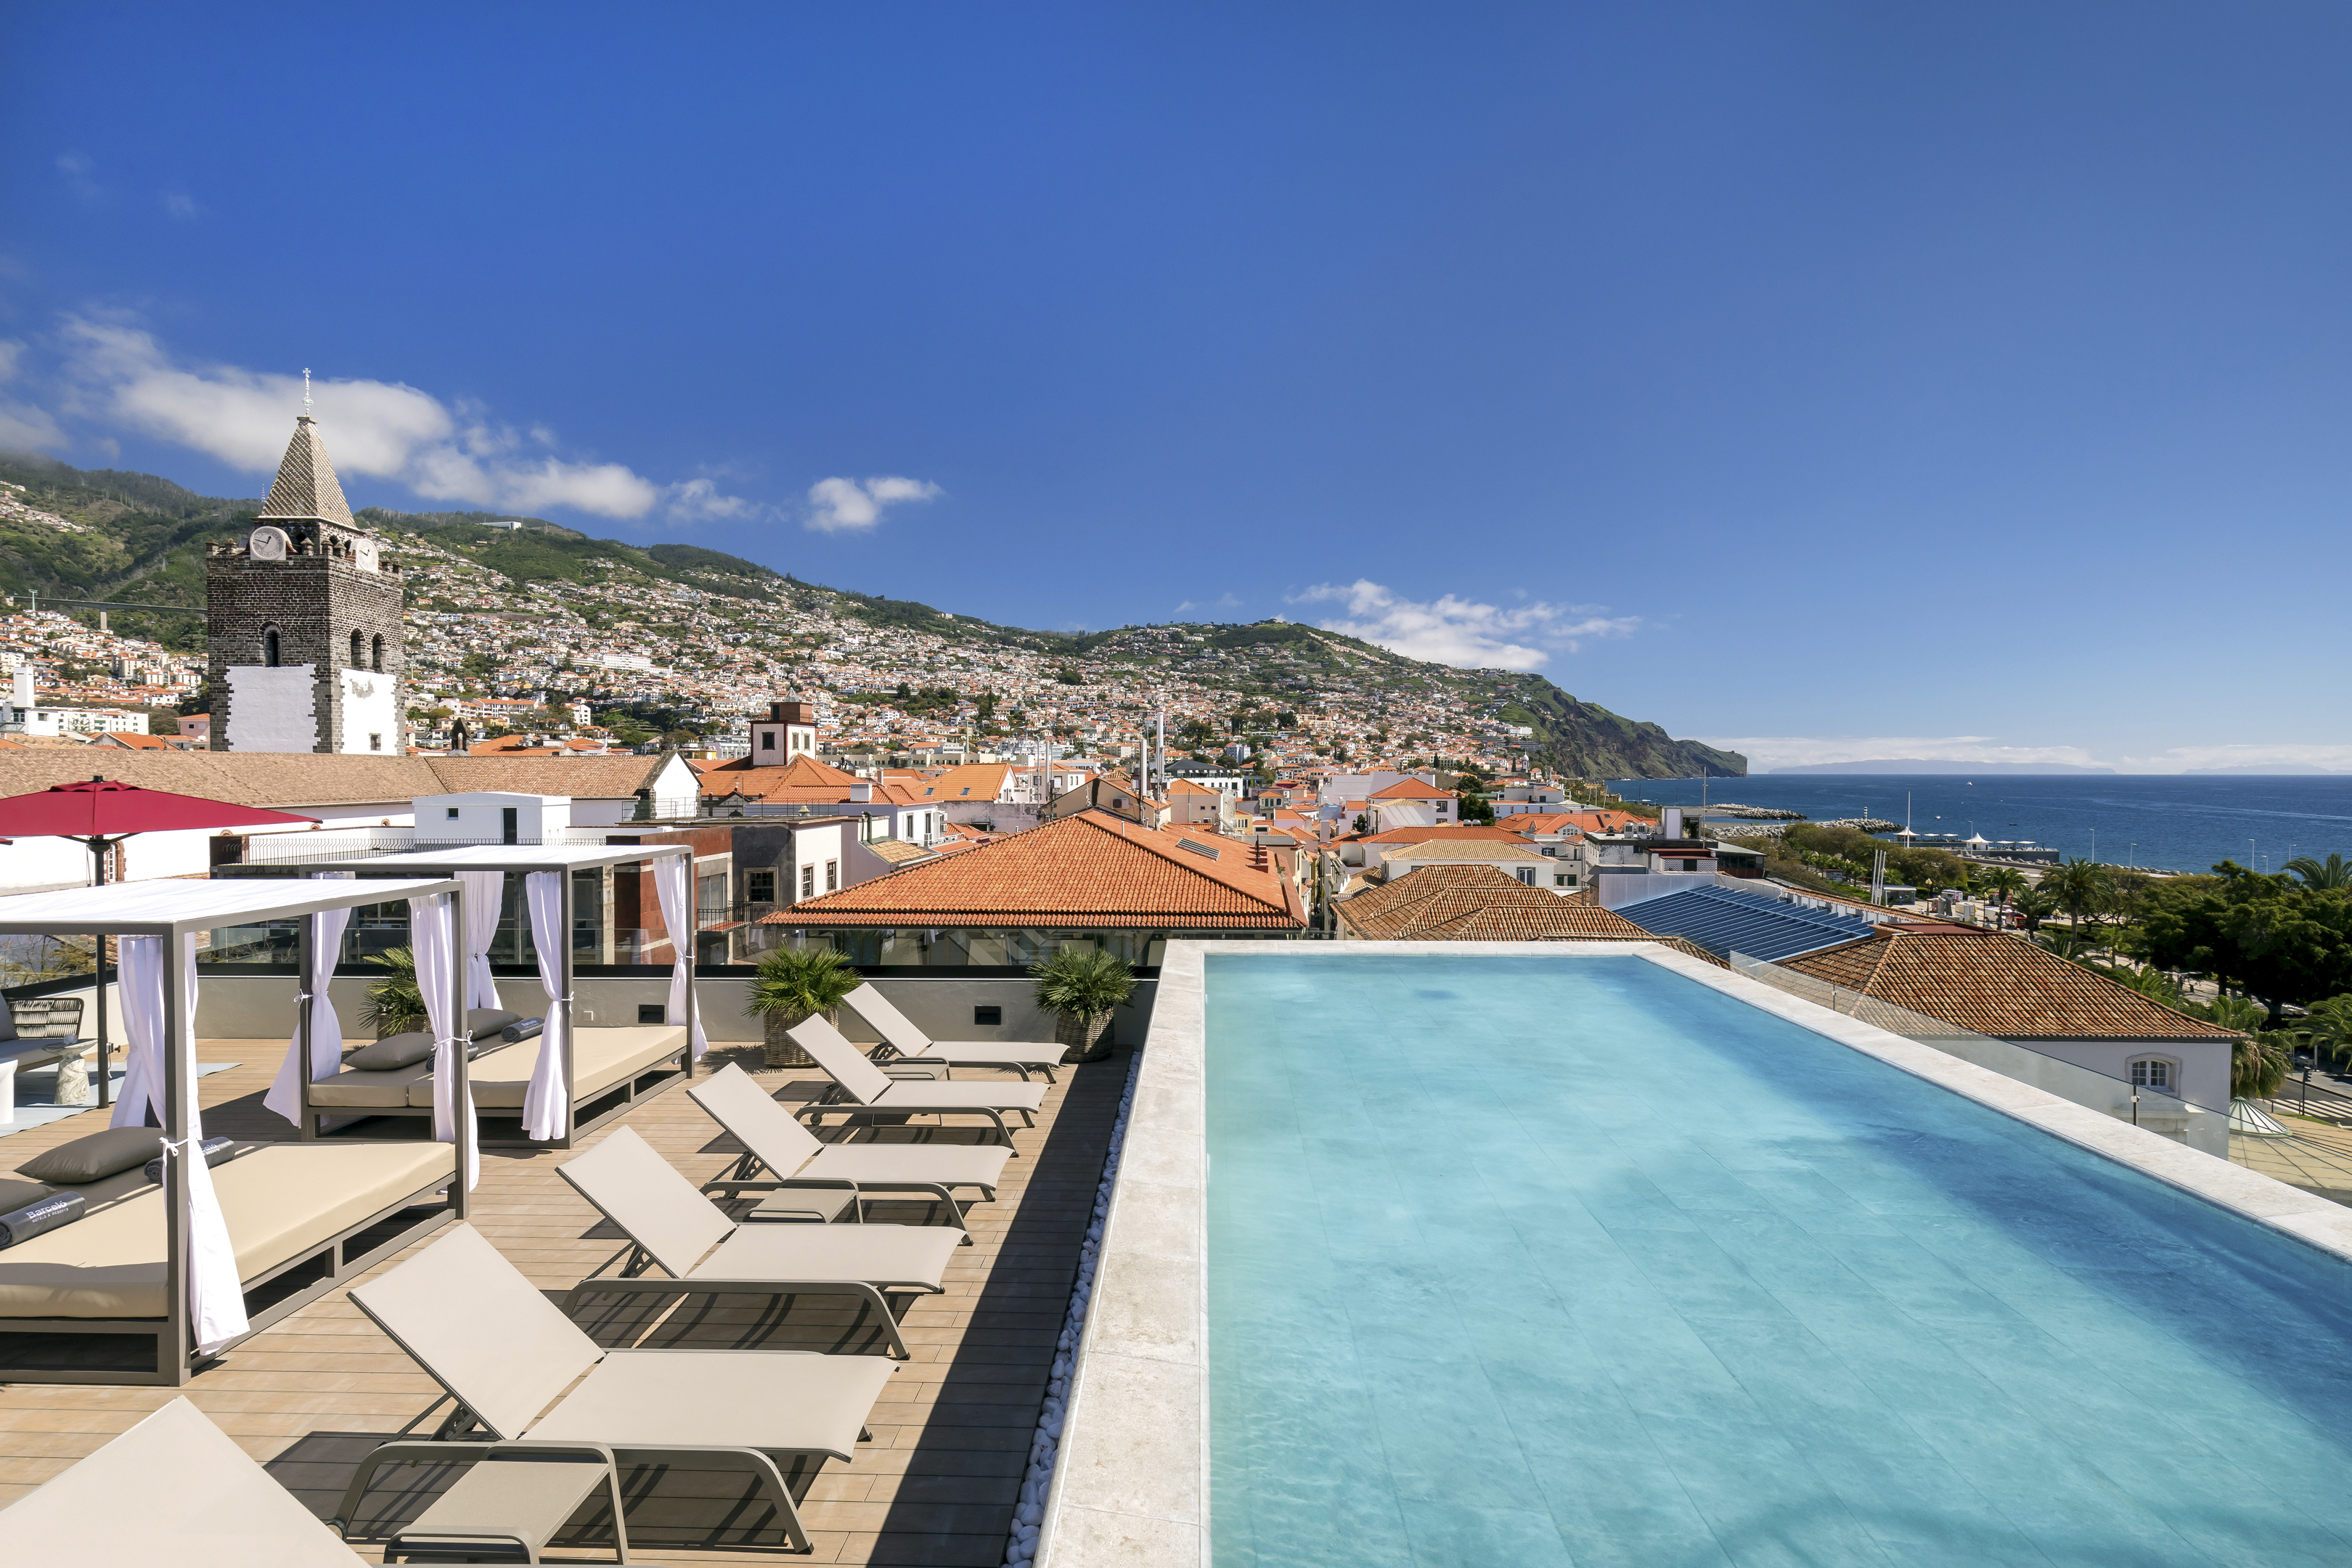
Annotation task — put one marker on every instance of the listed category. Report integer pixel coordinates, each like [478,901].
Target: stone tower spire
[307,488]
[304,620]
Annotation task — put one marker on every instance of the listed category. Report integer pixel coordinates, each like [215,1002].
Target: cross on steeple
[305,392]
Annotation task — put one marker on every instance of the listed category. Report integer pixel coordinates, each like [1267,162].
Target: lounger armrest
[915,1068]
[770,1185]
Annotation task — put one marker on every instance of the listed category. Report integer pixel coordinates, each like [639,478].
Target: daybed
[90,1302]
[615,1069]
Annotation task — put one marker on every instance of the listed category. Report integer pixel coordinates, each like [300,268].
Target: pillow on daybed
[96,1157]
[482,1023]
[15,1194]
[391,1051]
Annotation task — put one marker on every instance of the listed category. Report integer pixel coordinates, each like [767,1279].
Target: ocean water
[2169,822]
[1577,1262]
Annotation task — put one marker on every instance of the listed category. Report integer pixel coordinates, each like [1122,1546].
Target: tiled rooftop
[938,1484]
[1092,869]
[1992,982]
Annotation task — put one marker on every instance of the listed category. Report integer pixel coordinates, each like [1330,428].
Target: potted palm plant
[1080,989]
[395,1005]
[794,984]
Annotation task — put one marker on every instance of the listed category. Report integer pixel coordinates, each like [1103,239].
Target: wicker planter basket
[1081,1036]
[781,1052]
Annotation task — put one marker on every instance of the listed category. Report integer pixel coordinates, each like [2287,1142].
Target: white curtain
[433,936]
[285,1096]
[546,1104]
[674,881]
[485,891]
[216,1296]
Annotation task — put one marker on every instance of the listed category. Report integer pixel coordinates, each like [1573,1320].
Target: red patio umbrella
[103,812]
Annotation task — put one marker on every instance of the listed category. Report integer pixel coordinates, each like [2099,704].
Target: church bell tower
[304,618]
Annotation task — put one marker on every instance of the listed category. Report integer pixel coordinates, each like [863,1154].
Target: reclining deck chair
[1022,1056]
[705,1253]
[175,1489]
[810,1180]
[503,1352]
[866,1091]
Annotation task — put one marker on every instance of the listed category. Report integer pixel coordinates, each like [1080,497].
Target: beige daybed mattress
[280,1200]
[600,1058]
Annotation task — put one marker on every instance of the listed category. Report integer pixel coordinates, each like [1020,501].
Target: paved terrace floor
[312,1394]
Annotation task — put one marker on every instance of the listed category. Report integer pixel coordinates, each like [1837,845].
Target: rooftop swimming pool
[1536,1260]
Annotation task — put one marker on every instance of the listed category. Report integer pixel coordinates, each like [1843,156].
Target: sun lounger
[1023,1056]
[705,1253]
[866,1091]
[812,1180]
[174,1489]
[504,1352]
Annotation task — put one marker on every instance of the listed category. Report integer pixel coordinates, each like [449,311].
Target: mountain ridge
[143,529]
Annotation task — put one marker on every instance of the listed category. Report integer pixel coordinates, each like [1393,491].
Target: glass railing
[2160,1109]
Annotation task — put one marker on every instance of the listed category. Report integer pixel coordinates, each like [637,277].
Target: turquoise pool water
[1553,1261]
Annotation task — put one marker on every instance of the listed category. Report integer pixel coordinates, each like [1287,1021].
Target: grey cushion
[391,1051]
[482,1023]
[15,1194]
[96,1157]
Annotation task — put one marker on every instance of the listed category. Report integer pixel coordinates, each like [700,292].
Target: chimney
[24,698]
[861,793]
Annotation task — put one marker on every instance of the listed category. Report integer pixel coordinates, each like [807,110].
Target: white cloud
[1462,631]
[384,430]
[180,204]
[78,171]
[1765,752]
[844,505]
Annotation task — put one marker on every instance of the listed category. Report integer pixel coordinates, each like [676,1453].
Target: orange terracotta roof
[802,772]
[1472,831]
[973,782]
[1479,903]
[1995,983]
[1412,789]
[132,741]
[1090,869]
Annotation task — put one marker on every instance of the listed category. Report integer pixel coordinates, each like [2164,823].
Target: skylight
[1197,848]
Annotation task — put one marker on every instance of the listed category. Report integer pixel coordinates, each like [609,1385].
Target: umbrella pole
[98,848]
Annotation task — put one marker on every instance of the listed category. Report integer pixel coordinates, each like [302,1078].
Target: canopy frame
[586,857]
[175,1348]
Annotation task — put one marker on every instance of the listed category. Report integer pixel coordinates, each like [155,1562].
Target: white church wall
[368,711]
[272,708]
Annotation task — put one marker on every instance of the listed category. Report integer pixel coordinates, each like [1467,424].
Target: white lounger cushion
[279,1201]
[173,1490]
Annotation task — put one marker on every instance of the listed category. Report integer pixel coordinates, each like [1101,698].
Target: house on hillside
[1410,803]
[1091,880]
[1114,792]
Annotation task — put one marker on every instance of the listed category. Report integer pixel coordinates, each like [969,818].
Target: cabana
[567,1080]
[163,1272]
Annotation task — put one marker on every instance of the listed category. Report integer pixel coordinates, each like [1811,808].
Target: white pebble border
[1038,1478]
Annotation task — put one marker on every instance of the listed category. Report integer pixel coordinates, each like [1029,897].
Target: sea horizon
[2170,822]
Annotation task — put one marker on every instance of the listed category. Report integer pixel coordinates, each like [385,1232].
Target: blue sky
[1832,380]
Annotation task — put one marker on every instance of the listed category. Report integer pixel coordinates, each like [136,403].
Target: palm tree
[1081,988]
[2329,1027]
[2334,876]
[2260,1060]
[793,985]
[2081,888]
[395,1004]
[2002,882]
[2033,906]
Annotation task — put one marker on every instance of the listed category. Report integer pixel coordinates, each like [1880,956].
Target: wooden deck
[937,1485]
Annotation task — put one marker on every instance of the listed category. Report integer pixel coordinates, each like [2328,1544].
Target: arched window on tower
[376,662]
[269,647]
[357,663]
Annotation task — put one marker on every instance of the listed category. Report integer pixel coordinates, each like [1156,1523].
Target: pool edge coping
[1130,1483]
